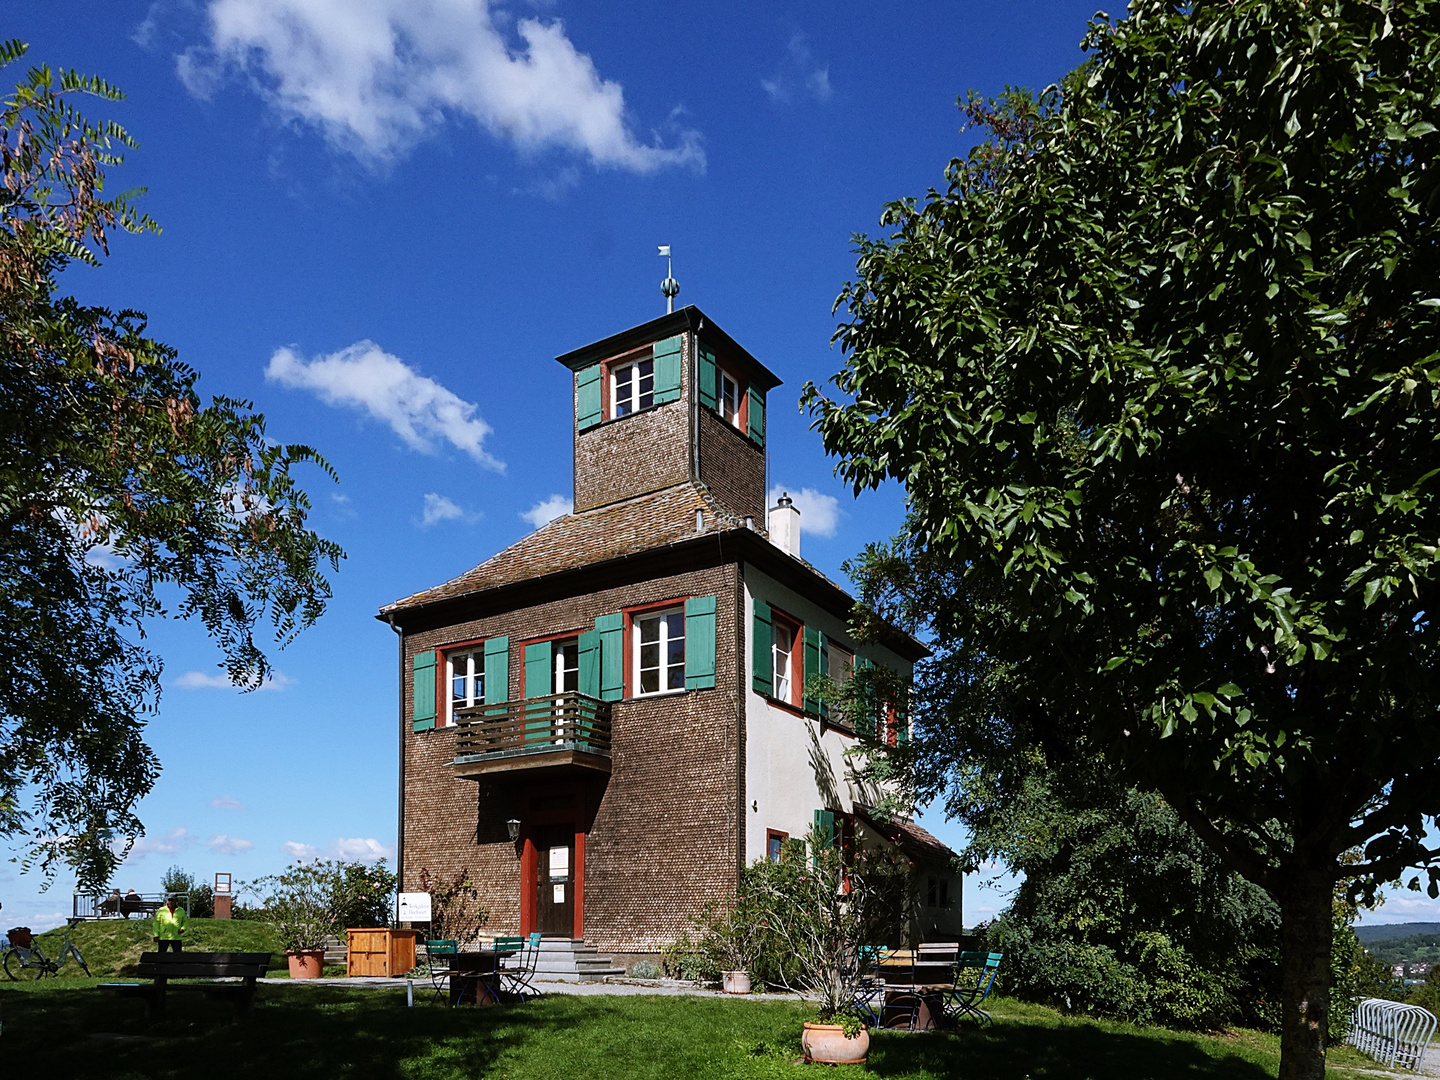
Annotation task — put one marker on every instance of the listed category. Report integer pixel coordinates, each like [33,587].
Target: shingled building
[625,689]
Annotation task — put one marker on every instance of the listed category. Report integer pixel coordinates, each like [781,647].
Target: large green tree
[1158,371]
[123,498]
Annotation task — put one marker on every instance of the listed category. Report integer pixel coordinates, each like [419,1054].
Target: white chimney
[785,526]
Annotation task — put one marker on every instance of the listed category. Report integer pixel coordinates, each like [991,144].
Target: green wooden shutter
[825,825]
[871,721]
[587,400]
[422,689]
[707,377]
[537,684]
[762,661]
[667,369]
[589,678]
[902,717]
[700,643]
[813,652]
[756,416]
[611,629]
[537,669]
[497,671]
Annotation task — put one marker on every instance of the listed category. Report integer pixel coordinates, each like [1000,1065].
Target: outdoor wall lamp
[512,826]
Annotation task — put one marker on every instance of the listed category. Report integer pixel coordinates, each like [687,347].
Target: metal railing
[537,725]
[1391,1032]
[133,905]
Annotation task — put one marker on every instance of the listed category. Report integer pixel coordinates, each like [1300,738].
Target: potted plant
[732,938]
[300,904]
[820,909]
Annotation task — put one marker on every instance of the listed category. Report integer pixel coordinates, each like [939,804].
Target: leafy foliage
[200,898]
[117,486]
[456,913]
[1158,372]
[364,894]
[312,901]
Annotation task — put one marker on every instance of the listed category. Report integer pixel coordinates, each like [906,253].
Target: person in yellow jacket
[170,926]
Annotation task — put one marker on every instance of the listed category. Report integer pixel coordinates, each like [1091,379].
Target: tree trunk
[1305,936]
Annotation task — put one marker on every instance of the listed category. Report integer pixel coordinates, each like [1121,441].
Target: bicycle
[25,963]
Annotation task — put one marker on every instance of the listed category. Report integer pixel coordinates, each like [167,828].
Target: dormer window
[730,398]
[632,387]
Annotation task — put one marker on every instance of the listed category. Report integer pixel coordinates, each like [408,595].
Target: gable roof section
[915,842]
[659,526]
[594,536]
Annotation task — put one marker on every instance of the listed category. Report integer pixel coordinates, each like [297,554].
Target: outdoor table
[480,971]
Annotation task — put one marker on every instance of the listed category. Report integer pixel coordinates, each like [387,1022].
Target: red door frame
[580,812]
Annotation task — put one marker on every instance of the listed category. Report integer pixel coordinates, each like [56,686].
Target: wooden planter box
[380,952]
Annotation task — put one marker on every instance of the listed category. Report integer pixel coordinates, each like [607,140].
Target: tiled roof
[643,523]
[906,835]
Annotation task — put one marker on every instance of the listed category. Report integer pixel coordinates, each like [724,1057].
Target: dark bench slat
[205,958]
[201,971]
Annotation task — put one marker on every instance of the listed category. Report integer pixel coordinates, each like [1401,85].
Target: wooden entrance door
[555,882]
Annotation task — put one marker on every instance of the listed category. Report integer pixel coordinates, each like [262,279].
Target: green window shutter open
[497,670]
[537,669]
[707,377]
[667,369]
[763,656]
[825,825]
[587,400]
[537,684]
[700,643]
[422,689]
[902,718]
[589,677]
[756,415]
[813,653]
[611,629]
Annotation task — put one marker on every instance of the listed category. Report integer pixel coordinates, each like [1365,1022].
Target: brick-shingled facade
[693,784]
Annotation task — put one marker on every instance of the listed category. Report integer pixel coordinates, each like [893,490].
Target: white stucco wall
[791,768]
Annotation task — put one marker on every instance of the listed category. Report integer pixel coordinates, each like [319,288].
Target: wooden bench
[162,967]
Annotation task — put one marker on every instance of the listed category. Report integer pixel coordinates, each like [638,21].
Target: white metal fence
[1391,1032]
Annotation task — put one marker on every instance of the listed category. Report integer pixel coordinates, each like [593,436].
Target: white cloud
[819,513]
[228,845]
[201,680]
[801,75]
[227,802]
[168,844]
[364,376]
[376,76]
[438,508]
[547,510]
[364,849]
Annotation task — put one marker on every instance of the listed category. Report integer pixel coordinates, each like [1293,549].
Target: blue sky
[383,219]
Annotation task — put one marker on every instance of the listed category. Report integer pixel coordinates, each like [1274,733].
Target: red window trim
[628,691]
[525,690]
[742,407]
[442,683]
[606,366]
[797,673]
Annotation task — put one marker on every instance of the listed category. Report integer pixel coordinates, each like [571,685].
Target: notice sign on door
[559,893]
[559,863]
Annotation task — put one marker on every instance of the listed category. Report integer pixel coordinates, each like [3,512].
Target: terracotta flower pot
[306,964]
[827,1044]
[735,982]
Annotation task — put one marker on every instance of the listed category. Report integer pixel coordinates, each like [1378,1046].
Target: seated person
[132,904]
[111,904]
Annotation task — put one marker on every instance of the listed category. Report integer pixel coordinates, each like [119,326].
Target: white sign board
[414,907]
[559,862]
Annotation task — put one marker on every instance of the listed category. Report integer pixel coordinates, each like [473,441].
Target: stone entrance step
[572,960]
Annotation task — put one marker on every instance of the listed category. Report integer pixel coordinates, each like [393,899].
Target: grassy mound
[113,946]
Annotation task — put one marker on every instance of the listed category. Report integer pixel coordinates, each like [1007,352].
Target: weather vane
[669,287]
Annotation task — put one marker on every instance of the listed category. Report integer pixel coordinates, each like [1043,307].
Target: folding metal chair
[965,997]
[868,999]
[517,979]
[443,953]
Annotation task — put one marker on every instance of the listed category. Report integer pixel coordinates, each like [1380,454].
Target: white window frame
[558,670]
[667,669]
[783,686]
[729,383]
[474,676]
[635,399]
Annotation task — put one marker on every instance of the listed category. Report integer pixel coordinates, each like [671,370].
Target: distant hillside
[1367,934]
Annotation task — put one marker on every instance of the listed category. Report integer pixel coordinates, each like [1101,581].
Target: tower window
[660,652]
[632,387]
[729,399]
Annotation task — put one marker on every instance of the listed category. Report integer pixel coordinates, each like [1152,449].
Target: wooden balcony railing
[540,732]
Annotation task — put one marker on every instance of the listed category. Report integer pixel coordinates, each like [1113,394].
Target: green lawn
[327,1032]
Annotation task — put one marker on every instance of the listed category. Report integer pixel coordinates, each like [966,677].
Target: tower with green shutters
[630,689]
